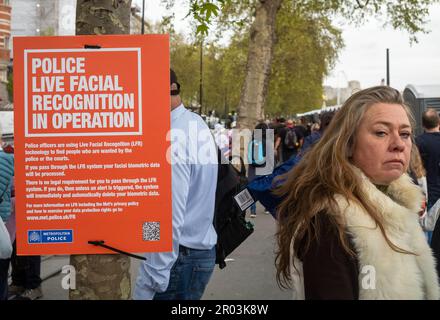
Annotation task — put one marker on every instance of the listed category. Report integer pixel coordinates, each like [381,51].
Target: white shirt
[194,181]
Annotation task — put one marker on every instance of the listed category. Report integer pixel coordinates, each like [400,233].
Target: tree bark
[261,43]
[102,277]
[103,17]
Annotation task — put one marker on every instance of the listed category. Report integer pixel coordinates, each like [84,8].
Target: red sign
[90,138]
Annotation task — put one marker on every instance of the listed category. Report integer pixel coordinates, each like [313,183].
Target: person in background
[184,273]
[257,156]
[429,217]
[26,270]
[418,174]
[262,187]
[289,141]
[428,144]
[303,127]
[314,127]
[349,207]
[429,147]
[6,177]
[221,137]
[277,125]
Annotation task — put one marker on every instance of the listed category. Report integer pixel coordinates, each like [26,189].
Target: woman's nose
[397,143]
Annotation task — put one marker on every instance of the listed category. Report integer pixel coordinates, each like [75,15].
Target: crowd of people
[355,197]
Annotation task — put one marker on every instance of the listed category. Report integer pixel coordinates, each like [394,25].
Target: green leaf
[202,29]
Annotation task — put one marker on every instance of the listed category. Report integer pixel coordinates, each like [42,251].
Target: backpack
[291,140]
[257,153]
[229,221]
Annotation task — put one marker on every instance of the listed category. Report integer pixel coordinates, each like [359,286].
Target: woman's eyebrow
[389,124]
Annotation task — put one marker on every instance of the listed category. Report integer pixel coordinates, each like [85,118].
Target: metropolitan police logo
[34,236]
[50,236]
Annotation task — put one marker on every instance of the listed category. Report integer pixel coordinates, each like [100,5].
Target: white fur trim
[397,275]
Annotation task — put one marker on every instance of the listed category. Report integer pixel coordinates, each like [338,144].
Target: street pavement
[250,275]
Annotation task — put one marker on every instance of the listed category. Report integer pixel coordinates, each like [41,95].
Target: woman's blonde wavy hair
[416,163]
[324,171]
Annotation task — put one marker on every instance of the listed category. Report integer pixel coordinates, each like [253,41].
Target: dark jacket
[435,244]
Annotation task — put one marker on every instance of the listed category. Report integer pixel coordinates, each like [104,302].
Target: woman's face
[382,146]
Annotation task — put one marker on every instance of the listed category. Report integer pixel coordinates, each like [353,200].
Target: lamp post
[201,77]
[143,13]
[388,67]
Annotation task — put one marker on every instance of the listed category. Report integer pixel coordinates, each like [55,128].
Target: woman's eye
[405,135]
[380,133]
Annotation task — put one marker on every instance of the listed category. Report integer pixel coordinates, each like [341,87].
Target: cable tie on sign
[92,46]
[101,243]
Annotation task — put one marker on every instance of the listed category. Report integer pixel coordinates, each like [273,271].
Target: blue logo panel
[34,236]
[50,236]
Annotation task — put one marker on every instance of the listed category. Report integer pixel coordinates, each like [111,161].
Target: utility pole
[388,67]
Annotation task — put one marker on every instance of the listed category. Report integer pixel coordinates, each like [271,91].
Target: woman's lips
[395,162]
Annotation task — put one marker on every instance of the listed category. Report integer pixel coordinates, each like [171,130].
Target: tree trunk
[103,17]
[100,277]
[261,42]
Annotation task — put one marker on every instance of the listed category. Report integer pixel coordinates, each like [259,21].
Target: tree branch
[360,6]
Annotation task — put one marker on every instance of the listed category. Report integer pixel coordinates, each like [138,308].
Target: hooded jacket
[6,174]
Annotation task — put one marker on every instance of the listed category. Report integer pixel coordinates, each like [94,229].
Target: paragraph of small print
[151,231]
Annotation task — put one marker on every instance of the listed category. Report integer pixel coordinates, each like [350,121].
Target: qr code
[151,231]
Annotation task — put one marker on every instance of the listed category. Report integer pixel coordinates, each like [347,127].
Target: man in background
[428,144]
[6,176]
[289,141]
[183,273]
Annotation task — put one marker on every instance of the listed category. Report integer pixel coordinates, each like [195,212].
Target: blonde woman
[349,221]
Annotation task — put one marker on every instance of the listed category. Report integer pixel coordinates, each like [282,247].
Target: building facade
[5,35]
[340,95]
[43,17]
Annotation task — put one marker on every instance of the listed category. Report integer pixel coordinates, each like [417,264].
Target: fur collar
[383,272]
